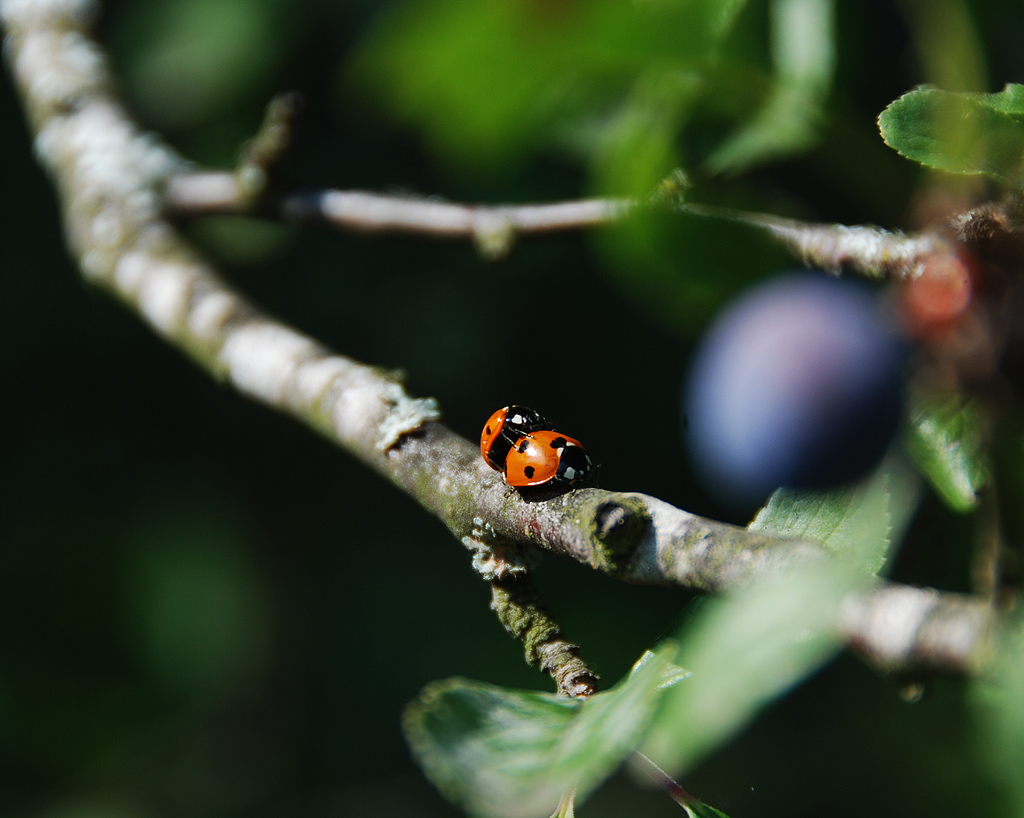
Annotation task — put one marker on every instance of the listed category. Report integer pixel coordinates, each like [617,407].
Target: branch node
[406,416]
[252,182]
[671,191]
[561,661]
[493,559]
[262,154]
[494,234]
[618,526]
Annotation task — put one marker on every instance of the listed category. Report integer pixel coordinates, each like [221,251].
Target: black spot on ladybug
[522,445]
[558,443]
[528,471]
[487,430]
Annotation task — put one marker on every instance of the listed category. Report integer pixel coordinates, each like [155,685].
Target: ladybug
[504,428]
[545,456]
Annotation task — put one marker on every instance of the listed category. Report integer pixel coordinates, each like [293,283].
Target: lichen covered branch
[111,178]
[521,613]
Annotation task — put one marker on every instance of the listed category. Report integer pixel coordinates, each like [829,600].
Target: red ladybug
[504,428]
[545,456]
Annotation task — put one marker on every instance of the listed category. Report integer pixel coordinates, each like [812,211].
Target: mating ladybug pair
[520,443]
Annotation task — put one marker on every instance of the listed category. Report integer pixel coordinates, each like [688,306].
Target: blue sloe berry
[799,384]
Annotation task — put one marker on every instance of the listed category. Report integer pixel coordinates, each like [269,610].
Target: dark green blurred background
[208,610]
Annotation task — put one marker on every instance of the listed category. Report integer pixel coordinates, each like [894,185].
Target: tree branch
[109,176]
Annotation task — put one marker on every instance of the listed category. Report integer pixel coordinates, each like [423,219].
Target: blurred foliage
[999,703]
[220,50]
[802,37]
[623,74]
[196,622]
[613,83]
[681,268]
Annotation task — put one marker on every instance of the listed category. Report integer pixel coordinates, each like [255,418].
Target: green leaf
[947,440]
[856,522]
[503,753]
[745,650]
[967,133]
[487,748]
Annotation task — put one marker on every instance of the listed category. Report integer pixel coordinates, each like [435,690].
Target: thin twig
[493,228]
[213,192]
[868,250]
